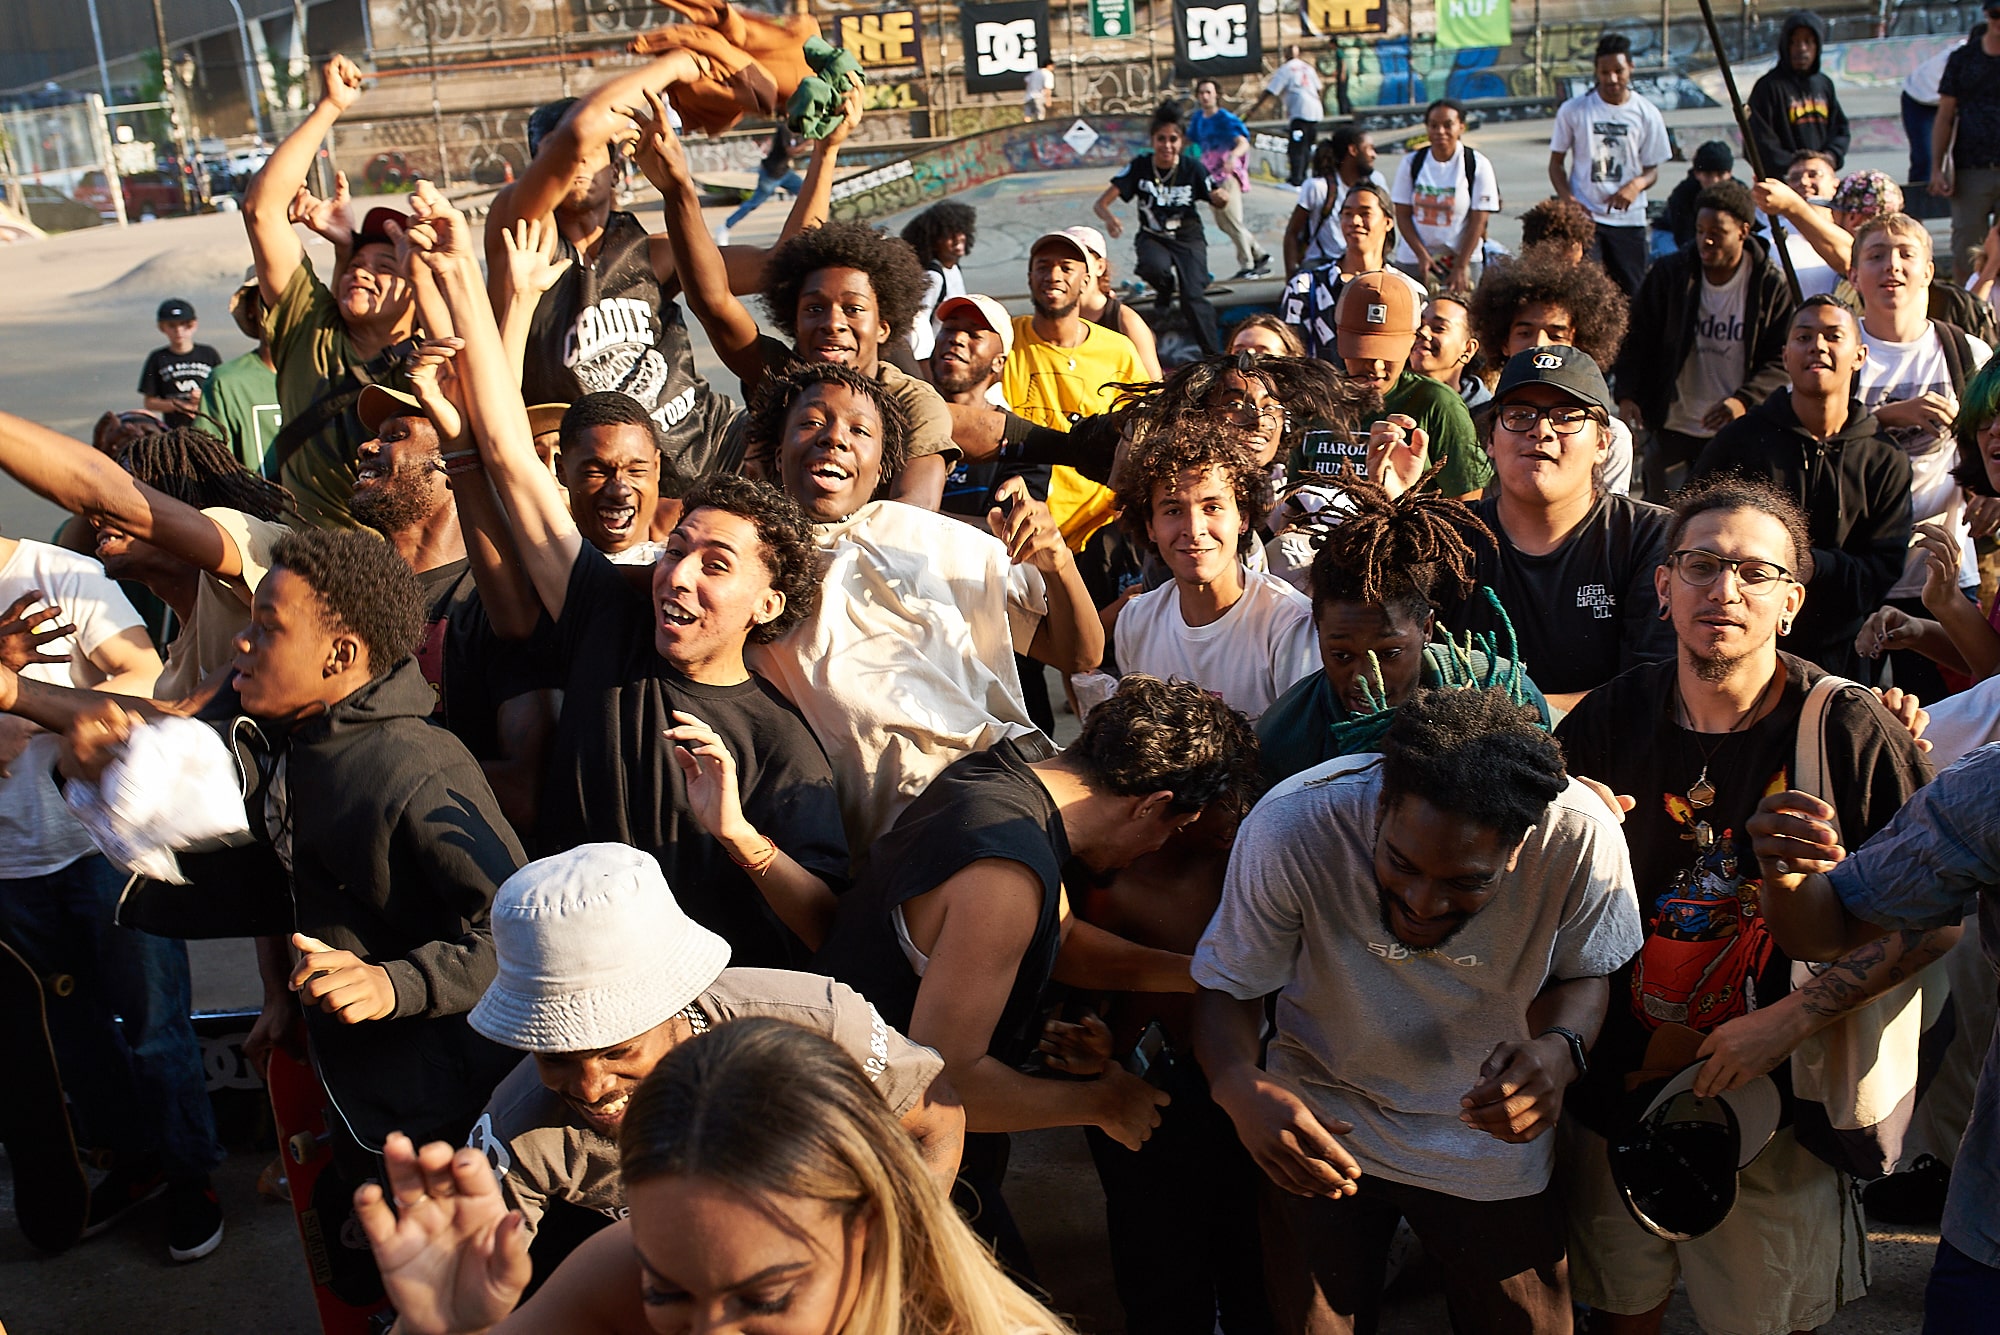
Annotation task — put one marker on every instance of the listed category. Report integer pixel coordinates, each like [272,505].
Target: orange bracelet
[761,862]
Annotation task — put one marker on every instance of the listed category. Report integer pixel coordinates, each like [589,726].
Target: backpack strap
[338,398]
[1957,354]
[1809,749]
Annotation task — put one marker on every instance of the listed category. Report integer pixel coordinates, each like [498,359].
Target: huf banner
[1468,24]
[1217,37]
[1003,43]
[889,39]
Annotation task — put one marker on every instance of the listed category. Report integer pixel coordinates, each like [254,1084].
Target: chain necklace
[696,1021]
[1701,793]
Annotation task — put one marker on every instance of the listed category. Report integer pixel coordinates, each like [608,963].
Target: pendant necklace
[1701,793]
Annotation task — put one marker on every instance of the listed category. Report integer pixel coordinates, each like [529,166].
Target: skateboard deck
[51,1194]
[346,1288]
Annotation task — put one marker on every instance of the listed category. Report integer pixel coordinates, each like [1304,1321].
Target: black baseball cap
[174,308]
[1567,369]
[1676,1168]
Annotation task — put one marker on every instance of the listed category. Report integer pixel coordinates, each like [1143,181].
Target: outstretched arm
[267,205]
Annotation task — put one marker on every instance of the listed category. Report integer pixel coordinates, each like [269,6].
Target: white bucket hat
[594,951]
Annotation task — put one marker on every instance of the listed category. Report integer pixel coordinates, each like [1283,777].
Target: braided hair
[197,469]
[1474,752]
[1396,551]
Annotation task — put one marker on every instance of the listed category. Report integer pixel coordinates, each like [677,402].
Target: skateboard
[346,1288]
[51,1194]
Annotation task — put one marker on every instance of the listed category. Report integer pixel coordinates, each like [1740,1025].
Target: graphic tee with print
[1898,371]
[1439,197]
[1714,365]
[1388,1038]
[1608,146]
[241,398]
[178,375]
[1166,199]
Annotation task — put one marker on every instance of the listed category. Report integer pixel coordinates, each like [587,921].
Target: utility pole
[175,125]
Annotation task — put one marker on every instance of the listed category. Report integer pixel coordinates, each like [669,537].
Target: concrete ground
[76,323]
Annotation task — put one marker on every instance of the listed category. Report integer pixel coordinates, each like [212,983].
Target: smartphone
[1149,1057]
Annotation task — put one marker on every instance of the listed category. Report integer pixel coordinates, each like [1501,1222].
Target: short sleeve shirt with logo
[1608,146]
[1714,365]
[1440,197]
[1898,371]
[241,398]
[543,1153]
[178,375]
[1166,199]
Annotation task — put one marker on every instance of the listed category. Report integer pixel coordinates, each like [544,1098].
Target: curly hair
[1730,490]
[1596,306]
[1284,333]
[197,469]
[1401,552]
[1475,753]
[363,587]
[776,396]
[1313,393]
[1731,197]
[892,267]
[934,224]
[1562,221]
[1161,457]
[1167,736]
[784,540]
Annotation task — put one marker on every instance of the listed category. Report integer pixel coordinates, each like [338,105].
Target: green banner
[1110,18]
[1464,24]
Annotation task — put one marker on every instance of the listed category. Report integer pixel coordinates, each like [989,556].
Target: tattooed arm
[1749,1045]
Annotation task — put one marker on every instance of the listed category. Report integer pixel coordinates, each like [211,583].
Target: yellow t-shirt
[1049,386]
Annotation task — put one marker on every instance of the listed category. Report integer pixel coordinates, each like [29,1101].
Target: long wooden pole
[1750,146]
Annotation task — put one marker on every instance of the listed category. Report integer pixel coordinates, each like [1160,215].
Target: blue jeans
[1961,1294]
[131,1063]
[766,187]
[1917,122]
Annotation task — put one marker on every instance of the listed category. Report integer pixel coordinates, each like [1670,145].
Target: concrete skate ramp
[945,169]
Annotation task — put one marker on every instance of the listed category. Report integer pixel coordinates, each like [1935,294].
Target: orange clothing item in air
[751,63]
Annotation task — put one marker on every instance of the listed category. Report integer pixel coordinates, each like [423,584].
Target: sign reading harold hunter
[1217,38]
[1003,43]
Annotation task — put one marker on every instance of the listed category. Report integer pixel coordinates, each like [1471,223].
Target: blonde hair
[1895,224]
[771,1109]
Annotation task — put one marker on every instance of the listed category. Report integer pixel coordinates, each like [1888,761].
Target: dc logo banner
[1003,44]
[1212,38]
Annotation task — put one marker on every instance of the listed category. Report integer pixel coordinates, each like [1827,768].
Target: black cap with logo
[173,308]
[1564,368]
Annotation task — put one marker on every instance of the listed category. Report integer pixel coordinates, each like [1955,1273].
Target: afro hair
[892,268]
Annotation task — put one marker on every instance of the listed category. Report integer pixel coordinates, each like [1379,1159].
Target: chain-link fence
[60,167]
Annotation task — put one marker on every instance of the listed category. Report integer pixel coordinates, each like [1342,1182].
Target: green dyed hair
[1977,407]
[1364,732]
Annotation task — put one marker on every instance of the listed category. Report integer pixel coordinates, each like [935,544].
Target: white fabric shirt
[1816,277]
[1898,371]
[1607,147]
[1714,365]
[939,286]
[1250,655]
[1388,1038]
[1922,85]
[1439,198]
[1299,85]
[909,662]
[1327,243]
[1618,465]
[37,833]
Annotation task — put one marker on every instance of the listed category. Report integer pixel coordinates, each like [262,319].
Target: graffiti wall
[963,163]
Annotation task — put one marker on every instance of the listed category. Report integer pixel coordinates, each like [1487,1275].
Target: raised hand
[850,117]
[710,771]
[1397,451]
[449,233]
[23,632]
[658,150]
[1027,527]
[453,1258]
[330,218]
[1941,561]
[533,265]
[342,80]
[96,737]
[434,380]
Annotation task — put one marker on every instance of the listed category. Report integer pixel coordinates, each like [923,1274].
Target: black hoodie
[1855,489]
[1660,335]
[1790,111]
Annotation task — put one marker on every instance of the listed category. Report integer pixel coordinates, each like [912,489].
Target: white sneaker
[721,234]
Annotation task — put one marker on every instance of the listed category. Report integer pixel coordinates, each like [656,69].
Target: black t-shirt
[1586,611]
[985,805]
[778,159]
[1973,77]
[1708,956]
[471,668]
[610,779]
[178,375]
[1166,199]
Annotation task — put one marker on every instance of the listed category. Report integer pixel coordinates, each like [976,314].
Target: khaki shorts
[1791,1252]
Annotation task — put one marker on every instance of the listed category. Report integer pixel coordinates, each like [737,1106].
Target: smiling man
[1437,923]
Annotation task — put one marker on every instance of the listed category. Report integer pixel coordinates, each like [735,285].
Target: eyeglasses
[1699,569]
[1522,417]
[1242,412]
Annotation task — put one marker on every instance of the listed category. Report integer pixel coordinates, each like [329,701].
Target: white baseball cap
[1087,241]
[991,312]
[594,951]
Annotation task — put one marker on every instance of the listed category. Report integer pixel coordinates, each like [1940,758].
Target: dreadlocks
[1394,551]
[195,468]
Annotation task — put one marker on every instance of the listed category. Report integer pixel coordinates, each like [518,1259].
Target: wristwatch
[1575,1041]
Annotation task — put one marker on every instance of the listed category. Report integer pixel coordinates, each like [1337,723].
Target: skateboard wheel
[60,984]
[302,1147]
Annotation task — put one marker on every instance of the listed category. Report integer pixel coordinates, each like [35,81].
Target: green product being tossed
[816,107]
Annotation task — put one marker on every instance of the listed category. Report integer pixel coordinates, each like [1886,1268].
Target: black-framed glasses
[1522,417]
[1699,568]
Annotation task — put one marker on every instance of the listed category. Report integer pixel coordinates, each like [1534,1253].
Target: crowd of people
[1502,795]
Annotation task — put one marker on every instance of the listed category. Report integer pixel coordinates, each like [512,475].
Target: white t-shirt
[1898,371]
[37,833]
[1714,366]
[1618,464]
[1816,277]
[1250,655]
[909,662]
[1039,84]
[1326,241]
[1298,84]
[1922,85]
[1439,198]
[939,286]
[1390,1039]
[1609,146]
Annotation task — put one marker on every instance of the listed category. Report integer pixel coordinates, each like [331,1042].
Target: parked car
[155,193]
[53,211]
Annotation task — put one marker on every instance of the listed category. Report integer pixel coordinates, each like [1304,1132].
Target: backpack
[1957,354]
[1468,163]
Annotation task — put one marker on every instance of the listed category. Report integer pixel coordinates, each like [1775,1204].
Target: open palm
[453,1258]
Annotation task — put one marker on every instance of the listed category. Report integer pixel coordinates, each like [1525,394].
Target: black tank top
[1108,317]
[607,326]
